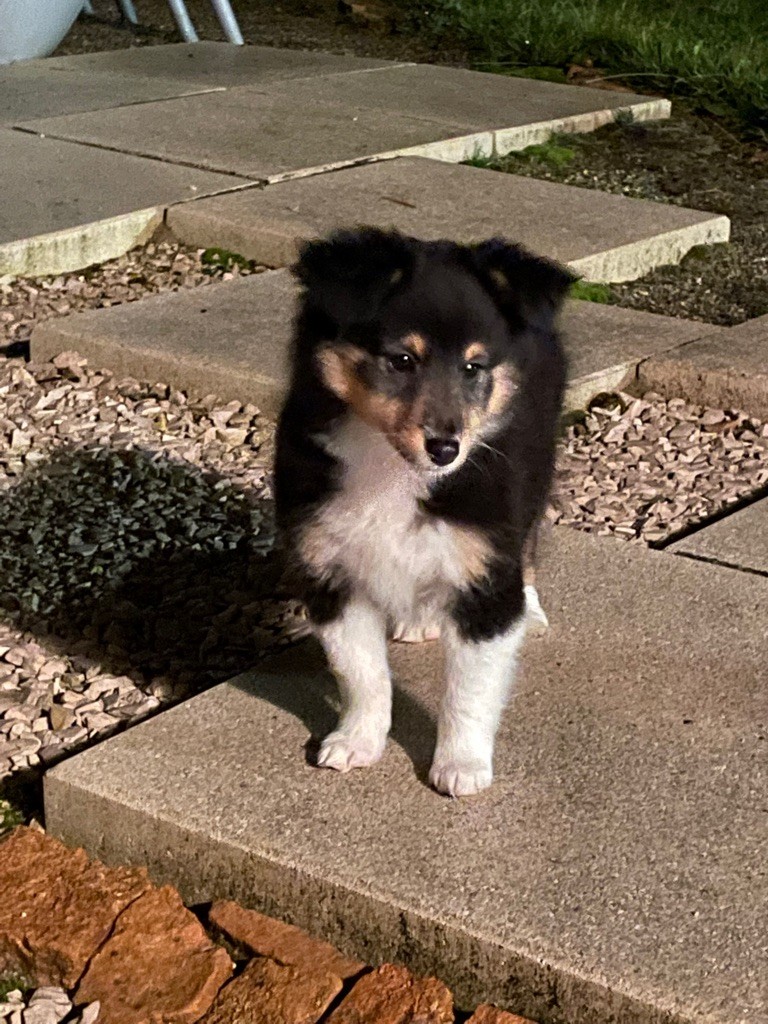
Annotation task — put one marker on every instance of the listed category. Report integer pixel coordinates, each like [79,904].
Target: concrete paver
[603,237]
[263,134]
[232,339]
[66,206]
[98,81]
[740,539]
[615,870]
[725,369]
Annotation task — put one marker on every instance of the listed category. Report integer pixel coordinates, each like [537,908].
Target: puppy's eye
[471,369]
[403,362]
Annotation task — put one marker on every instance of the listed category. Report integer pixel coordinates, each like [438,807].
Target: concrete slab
[98,81]
[739,540]
[263,134]
[518,108]
[601,236]
[229,340]
[726,369]
[65,206]
[615,870]
[178,337]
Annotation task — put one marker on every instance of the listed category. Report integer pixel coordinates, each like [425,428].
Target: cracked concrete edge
[508,140]
[59,252]
[628,262]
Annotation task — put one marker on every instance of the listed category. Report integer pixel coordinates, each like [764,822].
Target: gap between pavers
[232,339]
[739,540]
[727,369]
[66,206]
[116,78]
[613,872]
[603,237]
[273,131]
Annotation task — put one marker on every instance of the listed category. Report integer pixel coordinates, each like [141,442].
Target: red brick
[157,967]
[392,995]
[487,1014]
[57,907]
[265,936]
[268,993]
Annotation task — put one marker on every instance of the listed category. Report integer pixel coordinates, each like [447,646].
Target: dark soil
[691,161]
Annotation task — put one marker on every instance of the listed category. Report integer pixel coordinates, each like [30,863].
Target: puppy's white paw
[537,621]
[356,747]
[407,634]
[460,777]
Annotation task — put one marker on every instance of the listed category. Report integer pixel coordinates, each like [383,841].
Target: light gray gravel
[48,1005]
[646,469]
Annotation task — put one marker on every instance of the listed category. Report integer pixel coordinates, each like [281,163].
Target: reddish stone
[265,936]
[57,907]
[268,993]
[392,995]
[157,967]
[487,1014]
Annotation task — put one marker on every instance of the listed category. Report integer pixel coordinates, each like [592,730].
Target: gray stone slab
[98,81]
[232,338]
[262,134]
[601,236]
[614,872]
[66,206]
[478,100]
[739,540]
[728,368]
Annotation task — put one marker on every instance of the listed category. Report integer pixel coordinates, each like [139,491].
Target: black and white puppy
[414,457]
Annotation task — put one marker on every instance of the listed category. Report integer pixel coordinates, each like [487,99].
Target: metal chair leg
[228,21]
[183,20]
[129,11]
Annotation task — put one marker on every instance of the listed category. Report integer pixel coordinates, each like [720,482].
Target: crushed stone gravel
[49,1005]
[648,469]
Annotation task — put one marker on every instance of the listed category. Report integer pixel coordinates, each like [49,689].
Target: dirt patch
[690,161]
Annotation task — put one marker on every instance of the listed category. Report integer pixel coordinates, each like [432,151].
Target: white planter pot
[34,28]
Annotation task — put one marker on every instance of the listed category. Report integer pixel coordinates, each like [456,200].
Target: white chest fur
[375,533]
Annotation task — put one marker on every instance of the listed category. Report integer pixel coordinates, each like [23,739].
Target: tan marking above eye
[474,352]
[415,344]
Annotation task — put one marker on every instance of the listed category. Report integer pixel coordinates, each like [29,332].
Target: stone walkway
[614,872]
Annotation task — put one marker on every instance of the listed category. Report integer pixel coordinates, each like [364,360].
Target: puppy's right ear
[348,275]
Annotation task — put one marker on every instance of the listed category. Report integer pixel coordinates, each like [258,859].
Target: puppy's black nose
[442,450]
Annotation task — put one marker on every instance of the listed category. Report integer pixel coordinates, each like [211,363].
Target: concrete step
[232,339]
[116,78]
[739,540]
[66,206]
[285,129]
[728,369]
[602,237]
[615,870]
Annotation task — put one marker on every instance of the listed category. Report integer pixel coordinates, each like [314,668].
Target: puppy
[414,457]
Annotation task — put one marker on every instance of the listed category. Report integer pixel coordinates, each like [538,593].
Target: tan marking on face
[475,351]
[475,553]
[415,344]
[338,368]
[504,387]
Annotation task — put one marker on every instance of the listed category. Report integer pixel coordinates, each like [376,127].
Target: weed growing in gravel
[10,817]
[217,260]
[591,291]
[12,983]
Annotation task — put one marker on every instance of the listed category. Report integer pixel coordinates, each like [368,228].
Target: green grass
[591,291]
[10,982]
[10,816]
[214,259]
[714,52]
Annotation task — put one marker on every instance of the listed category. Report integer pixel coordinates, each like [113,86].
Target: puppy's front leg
[480,675]
[355,645]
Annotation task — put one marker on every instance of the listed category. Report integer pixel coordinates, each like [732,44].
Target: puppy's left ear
[526,288]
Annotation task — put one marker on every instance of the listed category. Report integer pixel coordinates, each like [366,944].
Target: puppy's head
[425,340]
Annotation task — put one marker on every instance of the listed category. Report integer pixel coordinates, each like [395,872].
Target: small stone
[270,993]
[277,940]
[392,995]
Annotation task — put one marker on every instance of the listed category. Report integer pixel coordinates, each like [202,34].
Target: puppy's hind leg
[355,645]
